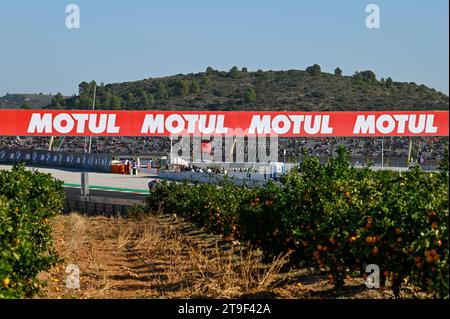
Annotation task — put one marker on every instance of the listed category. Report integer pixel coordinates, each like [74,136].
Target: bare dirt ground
[165,257]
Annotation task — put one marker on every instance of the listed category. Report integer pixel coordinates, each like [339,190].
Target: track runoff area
[206,124]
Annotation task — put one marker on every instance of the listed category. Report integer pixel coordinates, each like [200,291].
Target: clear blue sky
[135,39]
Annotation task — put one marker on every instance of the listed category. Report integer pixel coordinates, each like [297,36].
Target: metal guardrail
[96,205]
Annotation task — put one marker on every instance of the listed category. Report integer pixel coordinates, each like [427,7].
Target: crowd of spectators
[99,145]
[430,148]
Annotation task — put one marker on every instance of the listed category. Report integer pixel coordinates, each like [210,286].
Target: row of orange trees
[333,217]
[28,201]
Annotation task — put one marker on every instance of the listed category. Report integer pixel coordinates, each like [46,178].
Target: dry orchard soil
[166,257]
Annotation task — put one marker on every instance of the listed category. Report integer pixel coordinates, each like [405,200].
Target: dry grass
[162,256]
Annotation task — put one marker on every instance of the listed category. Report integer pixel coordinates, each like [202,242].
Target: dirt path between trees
[166,257]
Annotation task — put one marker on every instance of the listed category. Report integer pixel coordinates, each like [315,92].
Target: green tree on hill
[250,95]
[26,105]
[206,82]
[131,100]
[338,71]
[209,71]
[182,87]
[314,70]
[194,87]
[161,91]
[84,88]
[107,100]
[57,101]
[389,82]
[116,102]
[145,99]
[234,72]
[366,76]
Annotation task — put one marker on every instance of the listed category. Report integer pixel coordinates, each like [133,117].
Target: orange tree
[333,217]
[211,207]
[28,201]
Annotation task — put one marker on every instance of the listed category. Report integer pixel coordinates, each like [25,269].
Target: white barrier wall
[239,178]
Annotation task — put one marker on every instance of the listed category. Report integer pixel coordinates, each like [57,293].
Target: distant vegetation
[239,89]
[25,100]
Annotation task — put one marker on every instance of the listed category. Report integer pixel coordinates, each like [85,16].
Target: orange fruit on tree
[5,282]
[430,259]
[431,214]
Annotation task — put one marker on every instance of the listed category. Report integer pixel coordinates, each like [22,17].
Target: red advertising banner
[166,123]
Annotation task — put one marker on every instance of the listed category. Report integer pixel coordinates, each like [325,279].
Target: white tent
[179,161]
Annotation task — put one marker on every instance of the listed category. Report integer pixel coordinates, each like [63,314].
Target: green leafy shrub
[28,201]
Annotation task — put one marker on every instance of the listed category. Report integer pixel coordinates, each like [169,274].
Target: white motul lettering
[112,128]
[191,119]
[153,124]
[101,127]
[297,119]
[171,119]
[81,121]
[381,124]
[420,127]
[40,124]
[364,125]
[429,128]
[220,129]
[283,129]
[260,125]
[402,119]
[202,124]
[63,118]
[326,129]
[312,129]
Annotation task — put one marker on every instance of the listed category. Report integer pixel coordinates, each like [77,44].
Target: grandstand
[424,149]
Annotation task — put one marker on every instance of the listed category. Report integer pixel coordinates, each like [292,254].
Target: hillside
[25,100]
[309,90]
